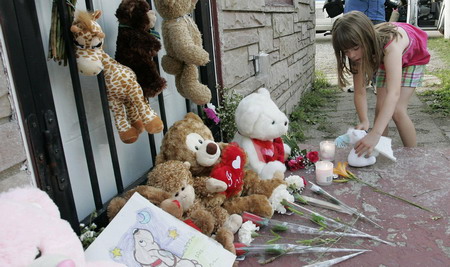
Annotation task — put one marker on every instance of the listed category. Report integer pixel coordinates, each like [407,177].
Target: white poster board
[142,234]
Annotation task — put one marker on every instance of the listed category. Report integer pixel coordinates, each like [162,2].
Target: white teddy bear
[260,125]
[352,136]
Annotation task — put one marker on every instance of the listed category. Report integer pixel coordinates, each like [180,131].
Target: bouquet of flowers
[299,158]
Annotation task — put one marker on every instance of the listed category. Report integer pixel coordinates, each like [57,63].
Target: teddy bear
[33,233]
[352,136]
[169,186]
[136,46]
[260,124]
[174,176]
[184,51]
[191,140]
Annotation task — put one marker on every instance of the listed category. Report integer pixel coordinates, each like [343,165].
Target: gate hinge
[48,152]
[56,161]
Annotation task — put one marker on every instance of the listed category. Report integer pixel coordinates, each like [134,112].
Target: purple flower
[211,114]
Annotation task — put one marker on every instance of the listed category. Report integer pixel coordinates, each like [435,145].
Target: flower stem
[374,188]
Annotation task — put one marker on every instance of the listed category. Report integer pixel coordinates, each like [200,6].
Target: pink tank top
[416,53]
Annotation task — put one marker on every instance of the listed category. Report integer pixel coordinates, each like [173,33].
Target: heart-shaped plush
[231,169]
[236,163]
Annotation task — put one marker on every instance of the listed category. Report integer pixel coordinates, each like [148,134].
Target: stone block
[236,66]
[12,146]
[235,39]
[240,5]
[278,74]
[307,2]
[3,79]
[288,45]
[266,39]
[295,71]
[19,179]
[253,50]
[250,85]
[239,20]
[278,91]
[274,57]
[5,107]
[305,13]
[283,24]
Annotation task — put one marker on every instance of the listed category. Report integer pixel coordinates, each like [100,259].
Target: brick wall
[13,171]
[285,33]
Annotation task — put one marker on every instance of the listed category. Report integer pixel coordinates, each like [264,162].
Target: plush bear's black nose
[211,148]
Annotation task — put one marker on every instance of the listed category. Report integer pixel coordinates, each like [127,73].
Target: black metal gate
[30,74]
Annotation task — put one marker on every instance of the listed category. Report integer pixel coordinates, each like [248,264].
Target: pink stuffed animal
[33,234]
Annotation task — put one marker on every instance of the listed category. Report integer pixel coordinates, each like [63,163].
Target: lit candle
[324,172]
[327,149]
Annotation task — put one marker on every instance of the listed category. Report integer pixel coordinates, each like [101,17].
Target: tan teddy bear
[183,44]
[170,187]
[191,140]
[173,176]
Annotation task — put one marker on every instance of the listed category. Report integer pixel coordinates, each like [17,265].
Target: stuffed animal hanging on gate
[183,44]
[136,46]
[132,112]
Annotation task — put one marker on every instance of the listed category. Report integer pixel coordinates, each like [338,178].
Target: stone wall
[286,33]
[13,170]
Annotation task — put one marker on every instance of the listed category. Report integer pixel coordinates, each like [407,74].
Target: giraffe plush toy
[132,112]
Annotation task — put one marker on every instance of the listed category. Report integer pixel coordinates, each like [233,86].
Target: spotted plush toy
[132,112]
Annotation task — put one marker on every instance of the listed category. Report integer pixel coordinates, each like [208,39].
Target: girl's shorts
[411,76]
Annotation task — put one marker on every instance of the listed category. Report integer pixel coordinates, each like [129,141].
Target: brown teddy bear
[170,187]
[191,140]
[183,44]
[136,46]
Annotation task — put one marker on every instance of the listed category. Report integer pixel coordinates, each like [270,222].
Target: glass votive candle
[324,172]
[327,150]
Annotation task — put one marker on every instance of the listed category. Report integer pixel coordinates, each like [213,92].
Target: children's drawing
[142,234]
[148,253]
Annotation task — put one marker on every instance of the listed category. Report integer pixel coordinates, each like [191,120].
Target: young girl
[397,52]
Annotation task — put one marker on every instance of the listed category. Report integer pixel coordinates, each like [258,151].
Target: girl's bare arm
[360,100]
[393,66]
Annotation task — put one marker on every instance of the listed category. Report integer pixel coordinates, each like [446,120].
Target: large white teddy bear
[260,125]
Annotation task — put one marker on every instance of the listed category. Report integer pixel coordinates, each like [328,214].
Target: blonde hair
[351,30]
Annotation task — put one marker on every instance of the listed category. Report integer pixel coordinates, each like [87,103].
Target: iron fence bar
[110,133]
[207,73]
[64,17]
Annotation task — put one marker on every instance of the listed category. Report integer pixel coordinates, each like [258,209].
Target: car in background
[323,22]
[427,14]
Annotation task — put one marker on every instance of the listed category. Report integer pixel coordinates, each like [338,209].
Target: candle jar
[327,150]
[324,172]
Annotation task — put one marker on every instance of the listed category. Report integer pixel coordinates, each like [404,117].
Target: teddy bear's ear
[187,164]
[167,3]
[193,116]
[264,92]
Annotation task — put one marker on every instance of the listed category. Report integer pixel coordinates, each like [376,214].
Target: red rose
[313,156]
[293,165]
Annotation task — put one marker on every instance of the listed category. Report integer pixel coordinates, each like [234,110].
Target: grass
[439,100]
[308,111]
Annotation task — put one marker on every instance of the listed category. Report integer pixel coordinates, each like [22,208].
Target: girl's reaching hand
[362,126]
[366,145]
